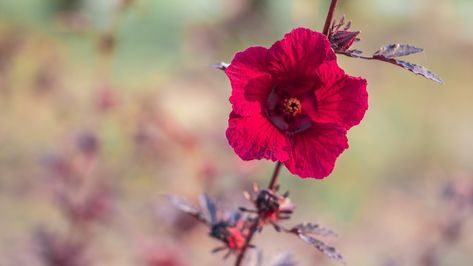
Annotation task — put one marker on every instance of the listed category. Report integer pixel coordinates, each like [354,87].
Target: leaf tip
[221,66]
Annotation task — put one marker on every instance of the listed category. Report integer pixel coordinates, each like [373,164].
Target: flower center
[291,106]
[285,111]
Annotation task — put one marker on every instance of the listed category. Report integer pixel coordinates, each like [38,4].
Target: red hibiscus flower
[292,103]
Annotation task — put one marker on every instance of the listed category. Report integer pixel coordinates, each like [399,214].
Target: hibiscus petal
[315,150]
[342,100]
[250,81]
[256,138]
[299,54]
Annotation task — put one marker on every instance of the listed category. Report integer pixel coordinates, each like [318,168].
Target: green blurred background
[135,76]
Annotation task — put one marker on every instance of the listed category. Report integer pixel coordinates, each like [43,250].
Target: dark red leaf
[389,53]
[397,50]
[419,70]
[304,232]
[314,229]
[329,251]
[414,68]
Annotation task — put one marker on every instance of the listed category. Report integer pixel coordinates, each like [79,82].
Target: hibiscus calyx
[341,37]
[270,207]
[231,235]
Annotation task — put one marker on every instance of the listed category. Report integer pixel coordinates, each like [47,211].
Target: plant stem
[329,18]
[254,226]
[253,229]
[274,179]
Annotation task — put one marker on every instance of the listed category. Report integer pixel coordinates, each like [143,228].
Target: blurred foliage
[136,75]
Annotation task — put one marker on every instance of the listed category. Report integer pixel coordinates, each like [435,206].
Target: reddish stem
[274,179]
[253,230]
[254,226]
[329,18]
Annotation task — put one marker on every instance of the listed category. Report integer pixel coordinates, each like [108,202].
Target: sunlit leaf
[414,68]
[389,54]
[397,50]
[419,70]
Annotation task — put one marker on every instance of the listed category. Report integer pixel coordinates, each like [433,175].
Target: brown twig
[253,230]
[329,18]
[273,183]
[274,179]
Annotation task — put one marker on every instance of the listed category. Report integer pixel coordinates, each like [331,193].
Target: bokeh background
[106,105]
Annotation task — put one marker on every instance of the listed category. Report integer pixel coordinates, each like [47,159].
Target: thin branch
[254,226]
[275,178]
[329,18]
[253,229]
[356,56]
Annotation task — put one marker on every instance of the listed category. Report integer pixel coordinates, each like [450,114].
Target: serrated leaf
[314,229]
[397,50]
[329,251]
[414,68]
[209,208]
[419,70]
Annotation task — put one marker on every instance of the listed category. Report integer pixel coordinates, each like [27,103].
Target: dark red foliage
[341,37]
[56,250]
[95,206]
[230,230]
